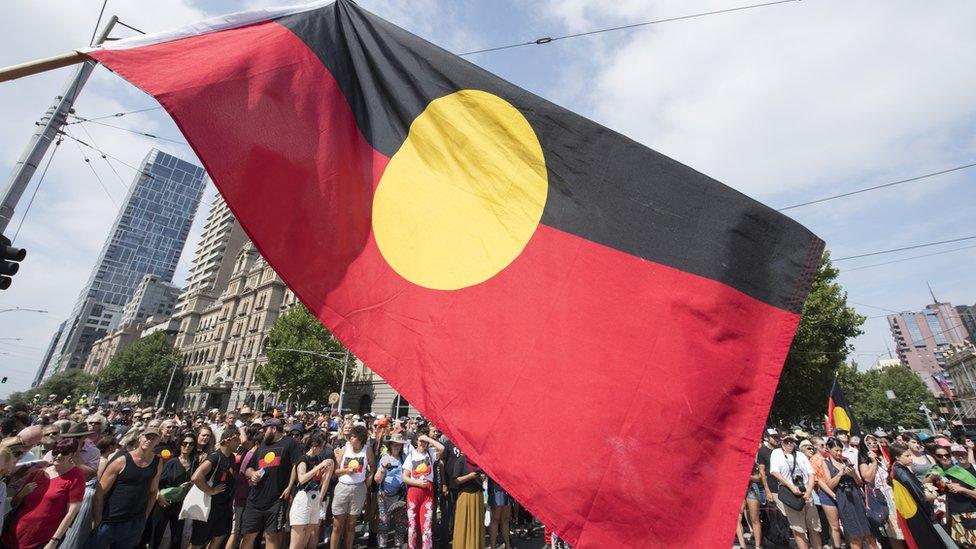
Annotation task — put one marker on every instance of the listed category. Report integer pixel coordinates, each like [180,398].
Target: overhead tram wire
[550,39]
[116,115]
[125,186]
[882,186]
[909,258]
[99,151]
[36,188]
[82,120]
[92,168]
[903,248]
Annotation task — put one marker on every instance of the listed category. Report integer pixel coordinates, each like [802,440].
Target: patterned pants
[392,519]
[420,515]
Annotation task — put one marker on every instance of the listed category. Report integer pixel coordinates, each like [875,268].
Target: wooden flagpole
[37,66]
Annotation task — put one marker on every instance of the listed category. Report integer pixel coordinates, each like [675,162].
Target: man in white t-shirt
[793,472]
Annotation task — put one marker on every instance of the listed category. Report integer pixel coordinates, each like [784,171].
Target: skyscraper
[147,238]
[922,339]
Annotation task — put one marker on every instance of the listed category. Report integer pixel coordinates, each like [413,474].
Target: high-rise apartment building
[967,313]
[147,238]
[152,297]
[923,338]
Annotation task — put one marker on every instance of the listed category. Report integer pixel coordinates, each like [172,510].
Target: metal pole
[396,408]
[170,384]
[928,417]
[47,131]
[342,388]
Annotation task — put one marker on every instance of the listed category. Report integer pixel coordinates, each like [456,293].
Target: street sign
[333,398]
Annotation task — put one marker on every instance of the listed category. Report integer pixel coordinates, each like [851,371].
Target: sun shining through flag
[584,317]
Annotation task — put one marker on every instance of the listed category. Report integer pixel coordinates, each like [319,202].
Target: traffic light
[10,259]
[3,379]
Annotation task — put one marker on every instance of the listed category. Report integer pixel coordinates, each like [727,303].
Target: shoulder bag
[786,495]
[196,504]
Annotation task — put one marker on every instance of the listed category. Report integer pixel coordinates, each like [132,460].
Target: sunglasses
[941,455]
[187,443]
[56,453]
[789,442]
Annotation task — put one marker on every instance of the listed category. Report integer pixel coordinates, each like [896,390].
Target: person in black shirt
[128,489]
[770,443]
[312,475]
[271,472]
[217,476]
[176,472]
[466,480]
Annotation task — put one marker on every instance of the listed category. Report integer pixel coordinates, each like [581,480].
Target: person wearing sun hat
[88,453]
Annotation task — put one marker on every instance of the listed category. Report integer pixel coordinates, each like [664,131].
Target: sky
[787,103]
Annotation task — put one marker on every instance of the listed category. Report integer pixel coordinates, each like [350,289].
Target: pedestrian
[961,497]
[52,498]
[269,471]
[922,462]
[793,473]
[127,490]
[875,467]
[205,440]
[216,476]
[392,494]
[418,474]
[501,514]
[242,488]
[354,465]
[174,479]
[828,499]
[845,483]
[313,476]
[755,500]
[469,510]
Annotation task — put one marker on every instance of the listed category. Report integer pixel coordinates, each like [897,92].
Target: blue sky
[786,104]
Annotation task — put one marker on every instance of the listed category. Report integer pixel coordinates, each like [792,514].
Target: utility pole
[47,131]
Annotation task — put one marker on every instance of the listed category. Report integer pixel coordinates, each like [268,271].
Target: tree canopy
[72,383]
[142,368]
[820,348]
[302,377]
[870,404]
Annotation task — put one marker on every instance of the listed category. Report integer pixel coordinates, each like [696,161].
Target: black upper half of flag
[603,186]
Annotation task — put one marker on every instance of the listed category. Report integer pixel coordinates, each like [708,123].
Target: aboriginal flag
[839,415]
[584,317]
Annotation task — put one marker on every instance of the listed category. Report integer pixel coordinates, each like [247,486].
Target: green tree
[819,349]
[142,368]
[72,383]
[301,377]
[867,393]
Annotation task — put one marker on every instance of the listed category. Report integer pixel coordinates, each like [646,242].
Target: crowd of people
[839,489]
[121,477]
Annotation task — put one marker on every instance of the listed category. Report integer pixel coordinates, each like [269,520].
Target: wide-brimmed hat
[77,430]
[396,438]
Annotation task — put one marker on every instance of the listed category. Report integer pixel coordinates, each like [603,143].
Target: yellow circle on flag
[904,501]
[354,464]
[166,454]
[463,195]
[841,419]
[269,457]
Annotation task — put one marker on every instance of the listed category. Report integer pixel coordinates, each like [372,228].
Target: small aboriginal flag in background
[839,415]
[505,264]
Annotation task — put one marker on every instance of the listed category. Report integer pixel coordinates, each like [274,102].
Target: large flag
[839,415]
[915,513]
[599,327]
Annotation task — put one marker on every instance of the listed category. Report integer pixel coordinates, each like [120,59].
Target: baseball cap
[957,449]
[272,422]
[150,431]
[297,426]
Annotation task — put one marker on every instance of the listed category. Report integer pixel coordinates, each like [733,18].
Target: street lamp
[332,356]
[170,384]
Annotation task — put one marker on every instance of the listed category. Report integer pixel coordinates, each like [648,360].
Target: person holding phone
[845,483]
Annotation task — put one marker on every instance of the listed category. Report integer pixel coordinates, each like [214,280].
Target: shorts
[254,520]
[756,493]
[500,498]
[305,508]
[801,521]
[235,522]
[826,500]
[349,499]
[218,524]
